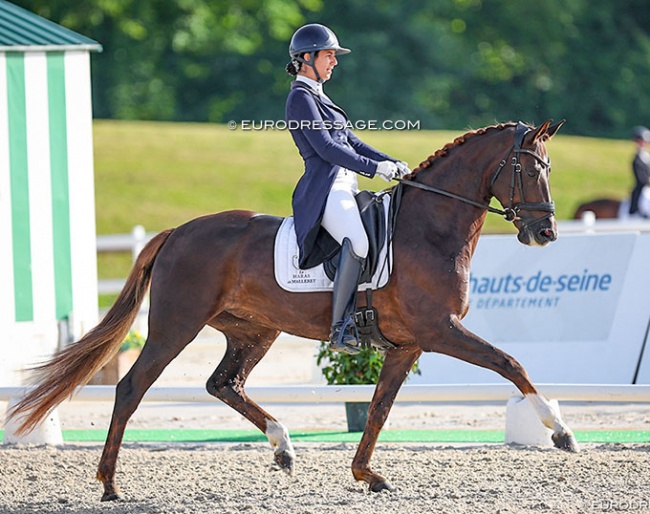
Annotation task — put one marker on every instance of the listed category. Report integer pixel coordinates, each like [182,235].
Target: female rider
[325,211]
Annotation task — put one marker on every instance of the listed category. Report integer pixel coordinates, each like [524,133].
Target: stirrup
[343,338]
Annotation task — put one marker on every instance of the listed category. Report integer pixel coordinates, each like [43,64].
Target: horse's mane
[457,142]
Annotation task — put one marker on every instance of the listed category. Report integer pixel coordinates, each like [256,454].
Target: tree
[450,64]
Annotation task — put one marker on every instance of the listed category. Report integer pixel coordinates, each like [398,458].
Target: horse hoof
[110,497]
[384,485]
[285,460]
[566,442]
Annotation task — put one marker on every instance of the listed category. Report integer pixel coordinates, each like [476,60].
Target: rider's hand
[402,169]
[387,170]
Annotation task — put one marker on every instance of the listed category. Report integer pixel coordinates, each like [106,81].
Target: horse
[217,270]
[610,208]
[603,208]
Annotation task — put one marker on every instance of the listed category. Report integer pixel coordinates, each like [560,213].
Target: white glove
[387,170]
[402,169]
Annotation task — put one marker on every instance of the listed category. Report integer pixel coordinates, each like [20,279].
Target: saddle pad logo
[293,279]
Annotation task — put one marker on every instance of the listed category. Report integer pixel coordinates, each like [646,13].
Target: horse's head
[521,184]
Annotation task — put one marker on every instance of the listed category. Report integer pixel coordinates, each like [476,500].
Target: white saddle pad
[291,278]
[643,205]
[644,201]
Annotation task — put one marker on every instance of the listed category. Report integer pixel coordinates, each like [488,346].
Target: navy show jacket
[321,131]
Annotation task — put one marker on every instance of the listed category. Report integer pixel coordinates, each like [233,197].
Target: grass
[161,175]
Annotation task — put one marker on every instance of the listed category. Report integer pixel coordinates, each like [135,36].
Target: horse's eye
[534,172]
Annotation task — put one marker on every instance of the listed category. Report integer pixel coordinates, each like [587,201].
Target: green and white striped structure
[48,259]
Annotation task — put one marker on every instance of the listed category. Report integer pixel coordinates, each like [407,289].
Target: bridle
[511,212]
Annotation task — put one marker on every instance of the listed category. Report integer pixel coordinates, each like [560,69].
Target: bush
[133,341]
[344,369]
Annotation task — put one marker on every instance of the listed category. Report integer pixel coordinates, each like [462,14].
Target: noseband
[511,212]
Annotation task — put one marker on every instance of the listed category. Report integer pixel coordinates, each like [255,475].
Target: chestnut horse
[603,208]
[218,270]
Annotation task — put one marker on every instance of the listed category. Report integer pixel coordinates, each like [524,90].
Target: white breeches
[341,217]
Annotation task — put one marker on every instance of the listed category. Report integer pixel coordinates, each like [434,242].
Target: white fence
[131,243]
[590,225]
[433,393]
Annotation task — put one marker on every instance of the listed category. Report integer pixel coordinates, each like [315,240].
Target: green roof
[21,30]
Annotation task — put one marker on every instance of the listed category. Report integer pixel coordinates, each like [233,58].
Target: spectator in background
[641,169]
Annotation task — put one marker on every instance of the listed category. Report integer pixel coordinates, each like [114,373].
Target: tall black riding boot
[343,337]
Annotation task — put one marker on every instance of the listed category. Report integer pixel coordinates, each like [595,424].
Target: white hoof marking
[278,436]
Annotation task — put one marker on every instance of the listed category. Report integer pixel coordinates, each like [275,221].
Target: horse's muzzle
[538,233]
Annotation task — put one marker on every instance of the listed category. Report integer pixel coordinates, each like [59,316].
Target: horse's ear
[554,128]
[542,133]
[532,136]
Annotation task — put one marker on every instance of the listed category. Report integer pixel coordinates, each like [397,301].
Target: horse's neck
[448,223]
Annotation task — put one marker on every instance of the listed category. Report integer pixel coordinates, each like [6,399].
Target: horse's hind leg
[157,353]
[247,344]
[464,345]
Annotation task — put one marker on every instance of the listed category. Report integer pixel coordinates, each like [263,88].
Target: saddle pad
[295,280]
[643,206]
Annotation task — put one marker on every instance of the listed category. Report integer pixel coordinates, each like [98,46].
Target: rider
[640,167]
[324,208]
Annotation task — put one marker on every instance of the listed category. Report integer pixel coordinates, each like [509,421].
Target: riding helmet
[312,38]
[641,132]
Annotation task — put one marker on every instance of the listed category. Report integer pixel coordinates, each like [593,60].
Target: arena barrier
[363,393]
[522,425]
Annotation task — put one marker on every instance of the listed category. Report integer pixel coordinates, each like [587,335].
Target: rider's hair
[293,67]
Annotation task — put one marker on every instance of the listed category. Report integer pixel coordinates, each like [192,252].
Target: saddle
[373,217]
[378,214]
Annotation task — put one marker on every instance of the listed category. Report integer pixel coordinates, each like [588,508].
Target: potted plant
[345,369]
[120,364]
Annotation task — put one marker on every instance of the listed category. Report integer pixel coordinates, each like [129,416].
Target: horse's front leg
[397,365]
[461,343]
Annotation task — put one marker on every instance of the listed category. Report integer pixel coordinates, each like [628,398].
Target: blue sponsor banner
[566,291]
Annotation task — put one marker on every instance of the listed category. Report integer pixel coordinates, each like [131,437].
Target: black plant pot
[357,415]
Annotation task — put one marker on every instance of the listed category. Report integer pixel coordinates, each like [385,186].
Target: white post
[139,240]
[47,431]
[523,426]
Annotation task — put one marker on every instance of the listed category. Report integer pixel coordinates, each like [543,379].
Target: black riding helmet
[311,39]
[641,132]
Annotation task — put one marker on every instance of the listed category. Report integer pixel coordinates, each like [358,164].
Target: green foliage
[449,63]
[344,369]
[133,341]
[174,59]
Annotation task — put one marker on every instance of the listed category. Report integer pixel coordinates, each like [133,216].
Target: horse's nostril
[548,233]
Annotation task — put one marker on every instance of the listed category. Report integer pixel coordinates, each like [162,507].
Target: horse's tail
[75,365]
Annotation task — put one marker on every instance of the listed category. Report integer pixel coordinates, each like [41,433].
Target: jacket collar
[320,98]
[316,86]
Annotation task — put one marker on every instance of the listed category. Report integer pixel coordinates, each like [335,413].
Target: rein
[506,213]
[510,213]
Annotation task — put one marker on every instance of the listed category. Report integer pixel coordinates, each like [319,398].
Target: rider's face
[324,63]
